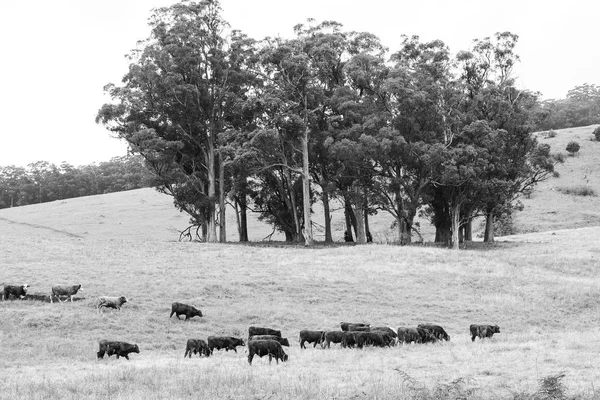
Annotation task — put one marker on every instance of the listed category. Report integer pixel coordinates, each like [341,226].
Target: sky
[57,56]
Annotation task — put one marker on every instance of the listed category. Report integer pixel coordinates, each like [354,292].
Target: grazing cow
[436,331]
[255,331]
[187,310]
[348,339]
[111,302]
[314,337]
[17,291]
[417,335]
[224,342]
[196,346]
[64,290]
[282,341]
[384,329]
[379,339]
[121,349]
[262,348]
[483,331]
[346,325]
[332,337]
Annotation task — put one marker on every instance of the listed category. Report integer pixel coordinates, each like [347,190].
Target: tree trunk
[488,236]
[210,165]
[327,212]
[455,216]
[243,218]
[359,214]
[308,234]
[368,235]
[441,218]
[222,221]
[348,214]
[469,230]
[294,210]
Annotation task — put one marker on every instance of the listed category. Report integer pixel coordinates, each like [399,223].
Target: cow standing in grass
[483,331]
[184,309]
[196,346]
[111,302]
[19,291]
[314,337]
[68,291]
[120,349]
[262,348]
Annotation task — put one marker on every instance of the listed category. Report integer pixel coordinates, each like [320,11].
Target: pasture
[543,290]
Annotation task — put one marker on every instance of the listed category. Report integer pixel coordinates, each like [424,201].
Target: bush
[573,147]
[577,191]
[551,134]
[597,134]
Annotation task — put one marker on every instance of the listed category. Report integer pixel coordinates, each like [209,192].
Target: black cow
[121,349]
[314,337]
[332,337]
[282,341]
[187,310]
[224,342]
[384,329]
[19,291]
[261,348]
[255,331]
[379,339]
[196,346]
[417,335]
[436,331]
[483,331]
[348,339]
[346,325]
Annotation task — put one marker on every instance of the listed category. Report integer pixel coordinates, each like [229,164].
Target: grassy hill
[542,289]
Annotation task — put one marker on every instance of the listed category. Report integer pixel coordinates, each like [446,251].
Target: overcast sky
[58,55]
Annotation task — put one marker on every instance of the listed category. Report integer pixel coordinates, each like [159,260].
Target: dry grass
[543,290]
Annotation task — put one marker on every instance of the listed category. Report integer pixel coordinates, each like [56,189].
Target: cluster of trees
[42,181]
[580,108]
[279,124]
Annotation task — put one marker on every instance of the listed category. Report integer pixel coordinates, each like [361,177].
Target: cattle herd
[265,341]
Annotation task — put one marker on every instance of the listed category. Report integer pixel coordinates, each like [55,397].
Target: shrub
[597,133]
[573,147]
[577,191]
[551,134]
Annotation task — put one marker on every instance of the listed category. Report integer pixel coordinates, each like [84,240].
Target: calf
[224,342]
[17,291]
[282,341]
[111,302]
[332,337]
[187,310]
[314,337]
[196,346]
[483,331]
[262,348]
[64,290]
[255,331]
[346,326]
[436,331]
[121,349]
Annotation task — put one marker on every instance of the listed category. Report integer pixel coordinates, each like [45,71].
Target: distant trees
[276,125]
[42,181]
[581,107]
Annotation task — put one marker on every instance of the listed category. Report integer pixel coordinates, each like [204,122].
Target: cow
[436,331]
[121,349]
[483,331]
[332,337]
[111,302]
[64,290]
[196,346]
[224,342]
[314,337]
[387,329]
[255,331]
[261,348]
[345,325]
[379,339]
[417,335]
[282,341]
[348,339]
[19,291]
[187,310]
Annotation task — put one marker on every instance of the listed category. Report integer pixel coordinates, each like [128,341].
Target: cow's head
[135,349]
[123,299]
[496,329]
[285,357]
[285,342]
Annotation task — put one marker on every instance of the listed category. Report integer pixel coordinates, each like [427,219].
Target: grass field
[542,289]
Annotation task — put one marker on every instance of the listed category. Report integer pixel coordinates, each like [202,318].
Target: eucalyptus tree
[182,85]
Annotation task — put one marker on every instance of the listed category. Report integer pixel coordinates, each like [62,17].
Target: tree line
[43,181]
[581,107]
[275,125]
